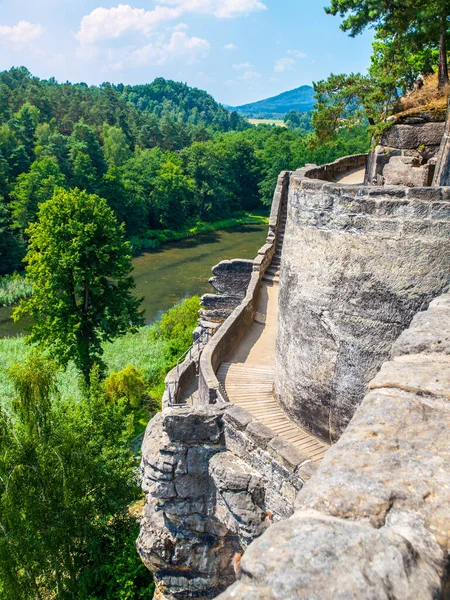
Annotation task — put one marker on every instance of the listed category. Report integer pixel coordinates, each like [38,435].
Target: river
[177,270]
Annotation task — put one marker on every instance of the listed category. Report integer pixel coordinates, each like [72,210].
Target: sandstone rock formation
[417,137]
[373,523]
[215,479]
[358,263]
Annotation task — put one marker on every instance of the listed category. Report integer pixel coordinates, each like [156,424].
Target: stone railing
[336,169]
[180,377]
[236,325]
[374,521]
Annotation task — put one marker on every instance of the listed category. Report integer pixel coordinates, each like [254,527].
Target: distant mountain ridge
[301,99]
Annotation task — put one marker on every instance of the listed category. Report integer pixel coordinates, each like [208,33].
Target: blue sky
[238,50]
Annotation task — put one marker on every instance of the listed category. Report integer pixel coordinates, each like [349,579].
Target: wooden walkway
[248,378]
[251,386]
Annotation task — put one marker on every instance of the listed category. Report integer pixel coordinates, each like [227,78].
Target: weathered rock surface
[415,139]
[374,522]
[232,276]
[413,136]
[181,541]
[357,264]
[214,480]
[403,170]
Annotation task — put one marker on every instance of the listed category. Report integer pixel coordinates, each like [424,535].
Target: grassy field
[277,122]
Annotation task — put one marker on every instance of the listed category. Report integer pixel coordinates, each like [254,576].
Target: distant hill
[301,99]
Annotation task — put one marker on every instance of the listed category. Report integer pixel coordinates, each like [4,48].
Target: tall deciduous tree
[80,265]
[421,22]
[66,480]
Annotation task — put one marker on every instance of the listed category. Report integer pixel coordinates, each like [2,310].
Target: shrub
[126,387]
[176,325]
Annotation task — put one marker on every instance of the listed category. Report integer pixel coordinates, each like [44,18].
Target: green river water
[176,270]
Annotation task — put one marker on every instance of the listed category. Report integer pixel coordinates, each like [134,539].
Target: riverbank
[154,238]
[153,351]
[13,288]
[175,271]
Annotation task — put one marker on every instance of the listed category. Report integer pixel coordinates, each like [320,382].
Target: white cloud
[284,64]
[23,33]
[297,53]
[180,48]
[250,76]
[111,23]
[223,9]
[243,66]
[230,47]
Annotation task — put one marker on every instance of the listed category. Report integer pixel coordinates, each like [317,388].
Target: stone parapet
[236,325]
[374,521]
[358,263]
[334,170]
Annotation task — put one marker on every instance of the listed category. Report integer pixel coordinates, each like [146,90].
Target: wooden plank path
[251,387]
[248,378]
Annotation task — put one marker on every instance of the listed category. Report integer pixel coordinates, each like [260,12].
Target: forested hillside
[301,99]
[162,155]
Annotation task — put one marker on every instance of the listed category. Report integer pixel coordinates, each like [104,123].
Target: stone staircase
[251,387]
[272,274]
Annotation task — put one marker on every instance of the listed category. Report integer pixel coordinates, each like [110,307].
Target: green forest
[90,176]
[162,155]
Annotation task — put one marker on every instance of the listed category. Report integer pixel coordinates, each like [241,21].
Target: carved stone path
[355,177]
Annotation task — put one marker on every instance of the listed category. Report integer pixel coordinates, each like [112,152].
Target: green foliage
[32,189]
[127,387]
[116,147]
[79,265]
[173,193]
[416,26]
[176,326]
[13,288]
[298,121]
[66,481]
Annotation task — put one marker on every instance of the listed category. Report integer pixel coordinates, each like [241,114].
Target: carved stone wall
[358,263]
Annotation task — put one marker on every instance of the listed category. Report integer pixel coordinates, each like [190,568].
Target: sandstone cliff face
[357,264]
[181,541]
[373,523]
[214,479]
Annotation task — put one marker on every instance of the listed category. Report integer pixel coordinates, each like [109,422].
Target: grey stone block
[260,434]
[413,136]
[287,454]
[194,424]
[238,417]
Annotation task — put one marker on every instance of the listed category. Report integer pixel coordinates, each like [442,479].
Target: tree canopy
[80,267]
[420,24]
[66,481]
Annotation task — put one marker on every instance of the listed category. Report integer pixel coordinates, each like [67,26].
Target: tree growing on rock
[79,265]
[420,23]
